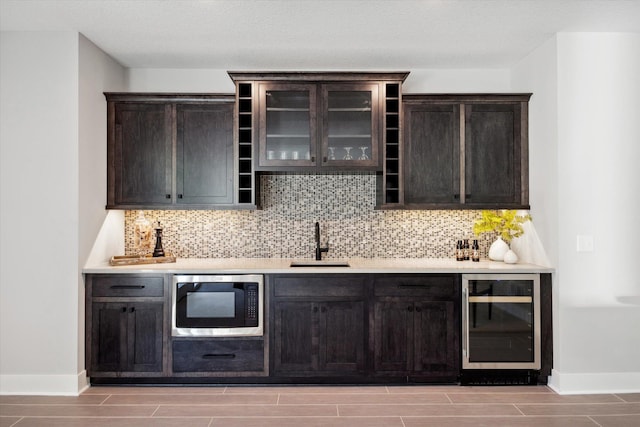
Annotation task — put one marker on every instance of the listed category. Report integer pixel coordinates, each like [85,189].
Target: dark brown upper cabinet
[463,152]
[316,121]
[170,151]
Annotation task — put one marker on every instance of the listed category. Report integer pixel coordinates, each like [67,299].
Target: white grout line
[20,419]
[597,423]
[154,412]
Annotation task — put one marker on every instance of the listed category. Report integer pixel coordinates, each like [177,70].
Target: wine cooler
[501,322]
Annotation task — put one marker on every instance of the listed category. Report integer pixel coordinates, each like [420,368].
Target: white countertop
[356,265]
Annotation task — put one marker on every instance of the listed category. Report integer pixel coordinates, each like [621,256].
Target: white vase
[498,249]
[510,257]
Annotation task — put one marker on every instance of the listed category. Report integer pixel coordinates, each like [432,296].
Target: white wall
[52,121]
[585,148]
[419,81]
[98,73]
[39,212]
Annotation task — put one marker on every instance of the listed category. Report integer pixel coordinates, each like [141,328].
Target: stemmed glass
[332,153]
[363,156]
[348,155]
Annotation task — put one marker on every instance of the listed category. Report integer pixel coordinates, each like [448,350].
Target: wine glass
[332,153]
[348,155]
[363,156]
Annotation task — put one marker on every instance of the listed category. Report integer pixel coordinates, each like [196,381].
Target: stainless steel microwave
[221,305]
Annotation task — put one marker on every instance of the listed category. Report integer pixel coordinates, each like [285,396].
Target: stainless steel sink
[312,263]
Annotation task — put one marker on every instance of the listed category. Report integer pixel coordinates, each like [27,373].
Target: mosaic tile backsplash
[343,204]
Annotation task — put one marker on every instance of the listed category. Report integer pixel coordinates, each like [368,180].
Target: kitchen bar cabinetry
[126,325]
[320,328]
[465,152]
[170,151]
[318,121]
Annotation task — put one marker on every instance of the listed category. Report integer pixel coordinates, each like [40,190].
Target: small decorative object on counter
[510,257]
[498,249]
[465,249]
[507,223]
[142,232]
[459,251]
[158,251]
[475,251]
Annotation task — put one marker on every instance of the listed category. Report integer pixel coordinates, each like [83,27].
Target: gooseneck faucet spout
[319,249]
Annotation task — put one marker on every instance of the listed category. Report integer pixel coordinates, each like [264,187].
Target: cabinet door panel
[294,342]
[145,337]
[432,153]
[287,125]
[350,120]
[393,335]
[143,154]
[492,153]
[109,337]
[436,348]
[204,154]
[341,336]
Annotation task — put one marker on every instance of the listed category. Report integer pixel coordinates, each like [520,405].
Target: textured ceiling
[320,34]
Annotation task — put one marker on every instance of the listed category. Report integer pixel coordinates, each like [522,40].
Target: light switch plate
[584,243]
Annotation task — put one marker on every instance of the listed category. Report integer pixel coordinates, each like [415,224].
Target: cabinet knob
[410,308]
[323,309]
[132,309]
[167,196]
[124,309]
[179,196]
[418,309]
[315,309]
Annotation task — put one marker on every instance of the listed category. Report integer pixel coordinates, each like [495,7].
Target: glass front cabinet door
[287,124]
[350,124]
[310,126]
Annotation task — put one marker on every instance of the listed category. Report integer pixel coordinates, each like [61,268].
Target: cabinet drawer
[319,286]
[218,355]
[127,286]
[413,285]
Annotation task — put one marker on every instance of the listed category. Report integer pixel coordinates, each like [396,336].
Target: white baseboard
[594,383]
[43,385]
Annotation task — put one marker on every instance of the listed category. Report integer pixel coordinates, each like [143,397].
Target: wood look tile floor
[319,406]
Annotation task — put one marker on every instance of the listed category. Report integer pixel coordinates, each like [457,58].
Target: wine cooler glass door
[501,321]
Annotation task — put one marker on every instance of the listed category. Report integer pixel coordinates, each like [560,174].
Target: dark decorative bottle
[158,251]
[475,251]
[465,249]
[459,251]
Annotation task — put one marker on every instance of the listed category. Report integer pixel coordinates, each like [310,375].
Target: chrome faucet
[319,249]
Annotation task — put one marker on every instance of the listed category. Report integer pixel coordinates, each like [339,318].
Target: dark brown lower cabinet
[219,355]
[126,337]
[416,338]
[126,325]
[417,327]
[318,326]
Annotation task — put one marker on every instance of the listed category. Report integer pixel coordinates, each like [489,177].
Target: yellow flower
[505,222]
